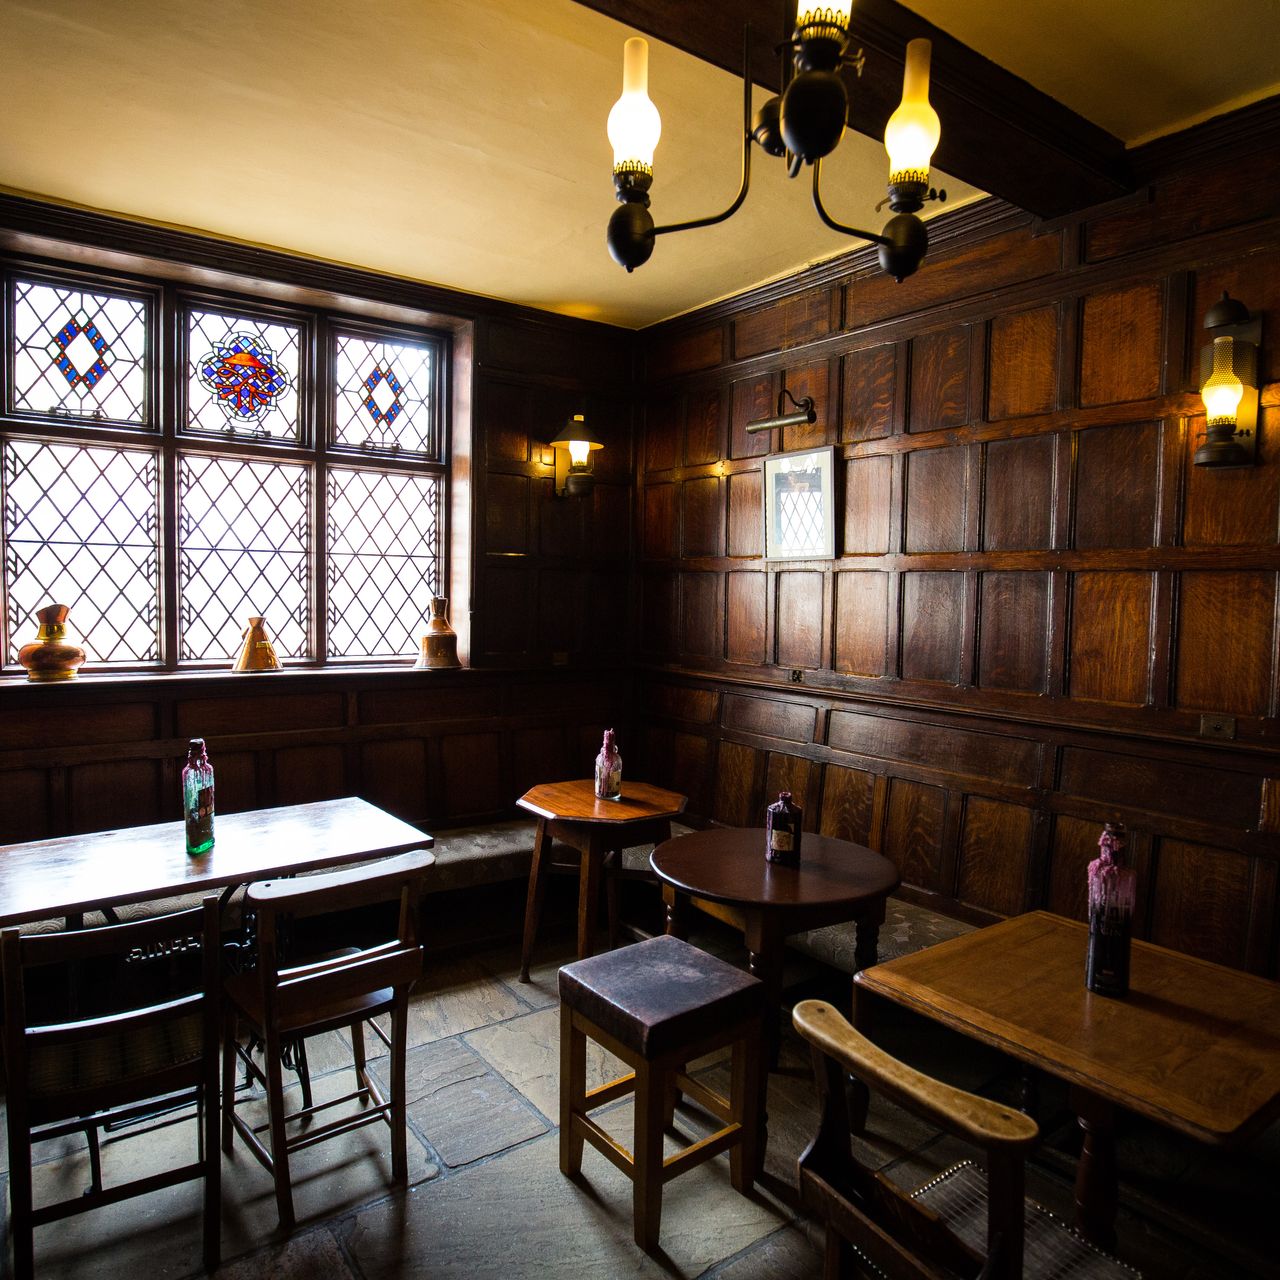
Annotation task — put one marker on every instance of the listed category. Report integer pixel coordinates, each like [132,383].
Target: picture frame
[799,505]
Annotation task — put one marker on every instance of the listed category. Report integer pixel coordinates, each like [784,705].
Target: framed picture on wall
[799,505]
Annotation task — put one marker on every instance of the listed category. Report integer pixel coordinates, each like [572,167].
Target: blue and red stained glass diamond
[243,375]
[79,353]
[382,397]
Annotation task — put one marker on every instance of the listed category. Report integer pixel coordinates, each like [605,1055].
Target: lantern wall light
[573,449]
[1229,385]
[803,124]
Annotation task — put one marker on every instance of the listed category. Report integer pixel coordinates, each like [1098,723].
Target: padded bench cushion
[906,928]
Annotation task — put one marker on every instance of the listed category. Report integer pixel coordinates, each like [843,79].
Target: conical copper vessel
[257,654]
[52,656]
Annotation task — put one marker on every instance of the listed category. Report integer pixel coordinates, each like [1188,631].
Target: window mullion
[321,409]
[166,402]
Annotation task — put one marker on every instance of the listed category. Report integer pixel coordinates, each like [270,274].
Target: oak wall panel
[506,514]
[664,420]
[1224,641]
[772,717]
[686,352]
[1024,363]
[862,619]
[703,522]
[791,773]
[394,776]
[812,381]
[561,522]
[1229,506]
[24,806]
[868,488]
[472,784]
[736,802]
[1117,477]
[1120,344]
[680,702]
[120,793]
[932,621]
[691,771]
[799,628]
[659,521]
[848,804]
[538,755]
[750,400]
[937,499]
[305,774]
[870,390]
[1017,504]
[658,613]
[238,782]
[704,427]
[1195,901]
[995,845]
[31,728]
[210,717]
[746,638]
[702,614]
[913,833]
[1110,627]
[503,412]
[1074,846]
[1255,280]
[1011,647]
[939,381]
[791,323]
[507,605]
[746,513]
[413,705]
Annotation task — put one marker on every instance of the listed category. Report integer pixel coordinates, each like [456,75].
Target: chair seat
[114,1058]
[658,995]
[245,991]
[959,1197]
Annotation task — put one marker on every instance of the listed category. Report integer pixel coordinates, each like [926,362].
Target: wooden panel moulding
[750,400]
[702,615]
[768,717]
[848,804]
[1225,642]
[956,272]
[1196,901]
[746,522]
[790,323]
[932,626]
[702,523]
[939,380]
[868,504]
[862,617]
[869,379]
[1000,757]
[800,616]
[813,382]
[1023,363]
[675,353]
[1117,485]
[704,438]
[1161,786]
[680,702]
[747,622]
[913,833]
[1122,344]
[659,542]
[1018,488]
[737,803]
[1012,631]
[995,847]
[1108,650]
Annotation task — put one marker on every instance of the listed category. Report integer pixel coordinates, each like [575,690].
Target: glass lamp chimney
[913,130]
[634,123]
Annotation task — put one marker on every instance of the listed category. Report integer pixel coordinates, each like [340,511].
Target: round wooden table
[723,872]
[571,813]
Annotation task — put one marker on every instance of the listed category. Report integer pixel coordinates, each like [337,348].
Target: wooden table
[723,872]
[70,875]
[1194,1046]
[571,813]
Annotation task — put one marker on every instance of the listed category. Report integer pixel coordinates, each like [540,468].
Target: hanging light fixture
[803,124]
[1229,385]
[573,448]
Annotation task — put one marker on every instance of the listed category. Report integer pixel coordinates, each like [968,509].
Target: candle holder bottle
[609,769]
[782,831]
[197,798]
[1112,893]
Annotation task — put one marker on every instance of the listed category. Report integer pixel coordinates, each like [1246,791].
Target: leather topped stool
[658,1005]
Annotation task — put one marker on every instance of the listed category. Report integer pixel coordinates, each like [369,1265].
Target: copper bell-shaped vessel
[52,656]
[440,644]
[257,653]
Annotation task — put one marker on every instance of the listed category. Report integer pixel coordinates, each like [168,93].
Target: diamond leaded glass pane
[242,376]
[244,548]
[384,561]
[78,354]
[81,528]
[383,395]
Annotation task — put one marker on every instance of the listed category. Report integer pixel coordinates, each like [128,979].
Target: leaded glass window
[384,558]
[81,527]
[78,353]
[242,376]
[384,395]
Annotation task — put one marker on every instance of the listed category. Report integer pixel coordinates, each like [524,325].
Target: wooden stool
[658,1005]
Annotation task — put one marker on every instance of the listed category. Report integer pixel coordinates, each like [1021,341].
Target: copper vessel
[257,653]
[440,644]
[52,656]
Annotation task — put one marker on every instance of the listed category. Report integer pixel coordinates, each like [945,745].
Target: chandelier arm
[872,236]
[746,151]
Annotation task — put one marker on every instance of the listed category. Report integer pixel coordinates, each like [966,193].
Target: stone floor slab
[453,997]
[792,1253]
[314,1256]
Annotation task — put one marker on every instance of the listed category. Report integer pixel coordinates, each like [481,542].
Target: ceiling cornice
[999,132]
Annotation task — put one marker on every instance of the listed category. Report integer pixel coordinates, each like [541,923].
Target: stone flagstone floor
[486,1198]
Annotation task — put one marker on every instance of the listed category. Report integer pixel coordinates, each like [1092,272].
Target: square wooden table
[1194,1046]
[69,875]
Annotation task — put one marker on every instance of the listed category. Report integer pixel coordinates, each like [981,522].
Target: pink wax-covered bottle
[1112,893]
[609,769]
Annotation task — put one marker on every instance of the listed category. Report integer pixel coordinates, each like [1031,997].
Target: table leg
[677,914]
[612,875]
[867,937]
[533,903]
[764,959]
[1097,1183]
[589,872]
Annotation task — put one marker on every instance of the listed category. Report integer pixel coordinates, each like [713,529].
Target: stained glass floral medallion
[243,376]
[78,354]
[383,395]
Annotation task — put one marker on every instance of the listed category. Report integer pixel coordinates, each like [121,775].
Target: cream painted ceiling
[462,143]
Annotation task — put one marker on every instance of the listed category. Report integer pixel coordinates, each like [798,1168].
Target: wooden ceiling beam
[999,133]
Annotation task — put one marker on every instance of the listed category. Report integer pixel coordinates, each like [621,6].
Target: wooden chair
[82,1073]
[343,989]
[967,1221]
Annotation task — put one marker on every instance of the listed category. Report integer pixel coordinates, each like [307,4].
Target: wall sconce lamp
[574,448]
[805,414]
[1229,385]
[804,123]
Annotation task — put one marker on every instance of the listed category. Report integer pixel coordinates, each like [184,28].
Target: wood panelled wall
[538,575]
[1039,610]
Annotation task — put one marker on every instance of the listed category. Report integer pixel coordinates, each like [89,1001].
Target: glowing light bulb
[579,452]
[1222,391]
[913,130]
[634,123]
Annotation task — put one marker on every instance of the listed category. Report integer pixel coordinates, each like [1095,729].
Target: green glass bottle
[197,798]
